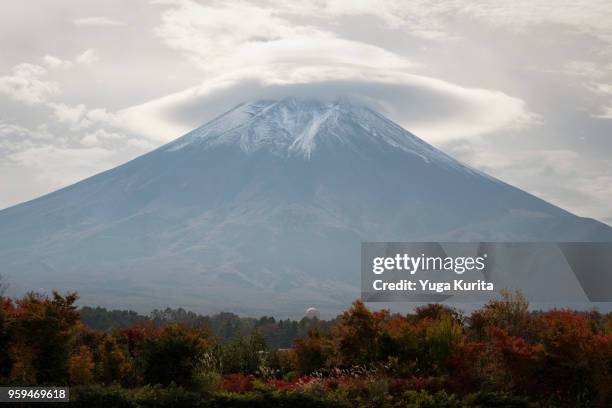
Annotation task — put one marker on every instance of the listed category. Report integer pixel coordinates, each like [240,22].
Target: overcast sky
[520,89]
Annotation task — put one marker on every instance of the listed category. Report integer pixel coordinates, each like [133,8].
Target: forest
[501,355]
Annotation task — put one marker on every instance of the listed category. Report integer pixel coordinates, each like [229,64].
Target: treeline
[499,356]
[222,326]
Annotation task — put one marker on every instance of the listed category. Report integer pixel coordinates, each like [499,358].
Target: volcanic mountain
[262,210]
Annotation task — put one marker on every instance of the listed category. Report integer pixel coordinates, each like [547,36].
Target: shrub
[237,383]
[423,399]
[162,397]
[495,400]
[100,397]
[259,400]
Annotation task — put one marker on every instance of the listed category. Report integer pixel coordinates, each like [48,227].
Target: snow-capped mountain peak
[293,127]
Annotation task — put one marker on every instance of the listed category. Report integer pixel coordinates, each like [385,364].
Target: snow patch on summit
[299,128]
[305,142]
[292,127]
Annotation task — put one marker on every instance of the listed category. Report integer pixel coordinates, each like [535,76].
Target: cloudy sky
[521,89]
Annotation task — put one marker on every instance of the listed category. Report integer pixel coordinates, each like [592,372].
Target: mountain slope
[262,210]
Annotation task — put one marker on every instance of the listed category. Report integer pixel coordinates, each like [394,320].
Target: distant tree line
[223,326]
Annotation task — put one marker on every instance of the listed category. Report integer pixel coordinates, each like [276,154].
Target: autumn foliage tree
[41,332]
[357,336]
[113,363]
[577,360]
[310,352]
[81,366]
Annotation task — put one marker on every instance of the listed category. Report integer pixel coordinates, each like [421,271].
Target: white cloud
[87,57]
[35,161]
[427,19]
[142,144]
[419,18]
[25,84]
[216,37]
[434,109]
[591,17]
[70,114]
[97,22]
[64,165]
[90,139]
[430,18]
[603,90]
[101,136]
[563,177]
[600,88]
[52,62]
[19,133]
[606,113]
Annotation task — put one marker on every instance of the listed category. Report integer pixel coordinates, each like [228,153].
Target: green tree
[510,313]
[173,356]
[245,355]
[442,337]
